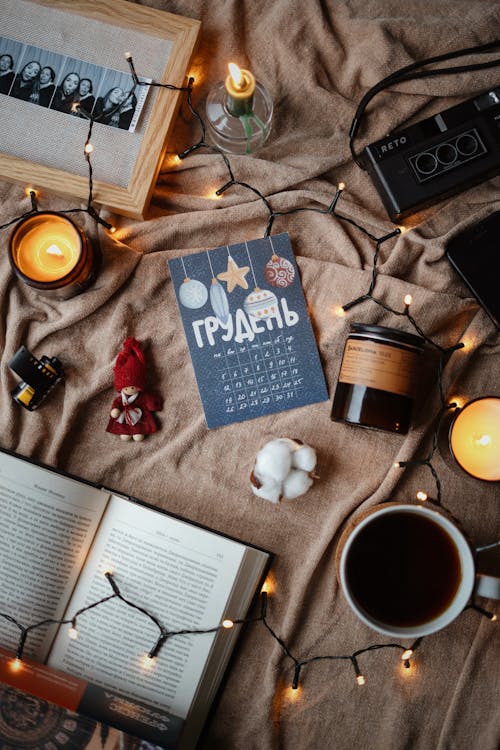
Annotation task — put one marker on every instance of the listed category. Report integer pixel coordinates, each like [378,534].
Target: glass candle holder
[474,438]
[378,377]
[239,112]
[50,253]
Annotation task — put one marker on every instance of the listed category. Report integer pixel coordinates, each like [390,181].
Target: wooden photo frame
[130,197]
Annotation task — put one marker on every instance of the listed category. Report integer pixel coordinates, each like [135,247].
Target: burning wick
[55,250]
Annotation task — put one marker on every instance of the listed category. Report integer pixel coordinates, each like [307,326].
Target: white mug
[407,570]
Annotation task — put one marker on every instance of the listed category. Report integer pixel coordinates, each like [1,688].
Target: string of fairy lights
[298,664]
[165,634]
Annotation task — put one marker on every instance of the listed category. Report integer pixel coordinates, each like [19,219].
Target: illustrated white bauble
[192,294]
[261,304]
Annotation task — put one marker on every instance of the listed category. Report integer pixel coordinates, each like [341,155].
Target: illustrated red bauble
[279,272]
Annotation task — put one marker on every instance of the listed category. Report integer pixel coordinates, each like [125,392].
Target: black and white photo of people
[70,86]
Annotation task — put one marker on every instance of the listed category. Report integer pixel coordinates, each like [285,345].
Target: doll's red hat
[130,366]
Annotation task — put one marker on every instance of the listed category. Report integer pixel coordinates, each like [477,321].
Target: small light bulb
[148,661]
[341,185]
[360,679]
[406,654]
[128,55]
[494,618]
[112,230]
[292,694]
[408,300]
[421,496]
[269,585]
[227,624]
[88,148]
[16,664]
[28,190]
[73,633]
[402,229]
[397,465]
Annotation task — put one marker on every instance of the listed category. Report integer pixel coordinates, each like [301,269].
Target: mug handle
[488,583]
[487,586]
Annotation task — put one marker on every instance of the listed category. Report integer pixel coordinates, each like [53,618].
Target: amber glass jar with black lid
[378,378]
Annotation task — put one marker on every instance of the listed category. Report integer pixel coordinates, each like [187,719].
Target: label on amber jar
[381,366]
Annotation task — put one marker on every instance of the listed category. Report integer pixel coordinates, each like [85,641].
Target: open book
[59,536]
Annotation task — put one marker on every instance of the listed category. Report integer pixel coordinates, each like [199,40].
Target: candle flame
[483,440]
[55,250]
[235,73]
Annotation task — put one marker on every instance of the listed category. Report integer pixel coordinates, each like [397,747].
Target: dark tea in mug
[403,569]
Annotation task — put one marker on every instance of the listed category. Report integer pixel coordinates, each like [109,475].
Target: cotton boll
[296,484]
[271,490]
[304,458]
[273,461]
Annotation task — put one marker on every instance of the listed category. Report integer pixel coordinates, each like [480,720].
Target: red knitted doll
[131,415]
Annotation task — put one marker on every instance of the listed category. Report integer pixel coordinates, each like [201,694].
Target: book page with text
[179,572]
[47,524]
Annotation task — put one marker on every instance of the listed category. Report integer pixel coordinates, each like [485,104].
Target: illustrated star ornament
[234,276]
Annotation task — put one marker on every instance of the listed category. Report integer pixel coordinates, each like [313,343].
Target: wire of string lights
[444,352]
[407,652]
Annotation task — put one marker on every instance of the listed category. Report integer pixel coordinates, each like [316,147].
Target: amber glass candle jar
[51,253]
[378,377]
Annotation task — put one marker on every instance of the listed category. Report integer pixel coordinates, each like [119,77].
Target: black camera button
[426,163]
[446,154]
[466,144]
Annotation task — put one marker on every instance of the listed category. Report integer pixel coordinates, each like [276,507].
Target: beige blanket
[317,59]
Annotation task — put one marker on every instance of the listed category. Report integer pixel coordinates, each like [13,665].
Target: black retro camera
[438,157]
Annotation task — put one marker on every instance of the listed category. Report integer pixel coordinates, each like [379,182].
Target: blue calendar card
[248,330]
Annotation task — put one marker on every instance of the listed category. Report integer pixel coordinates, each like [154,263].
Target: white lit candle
[475,438]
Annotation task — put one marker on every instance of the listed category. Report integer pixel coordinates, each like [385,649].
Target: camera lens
[446,154]
[426,163]
[466,145]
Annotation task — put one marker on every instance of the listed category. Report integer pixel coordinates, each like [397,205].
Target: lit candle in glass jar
[239,112]
[50,253]
[475,438]
[240,87]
